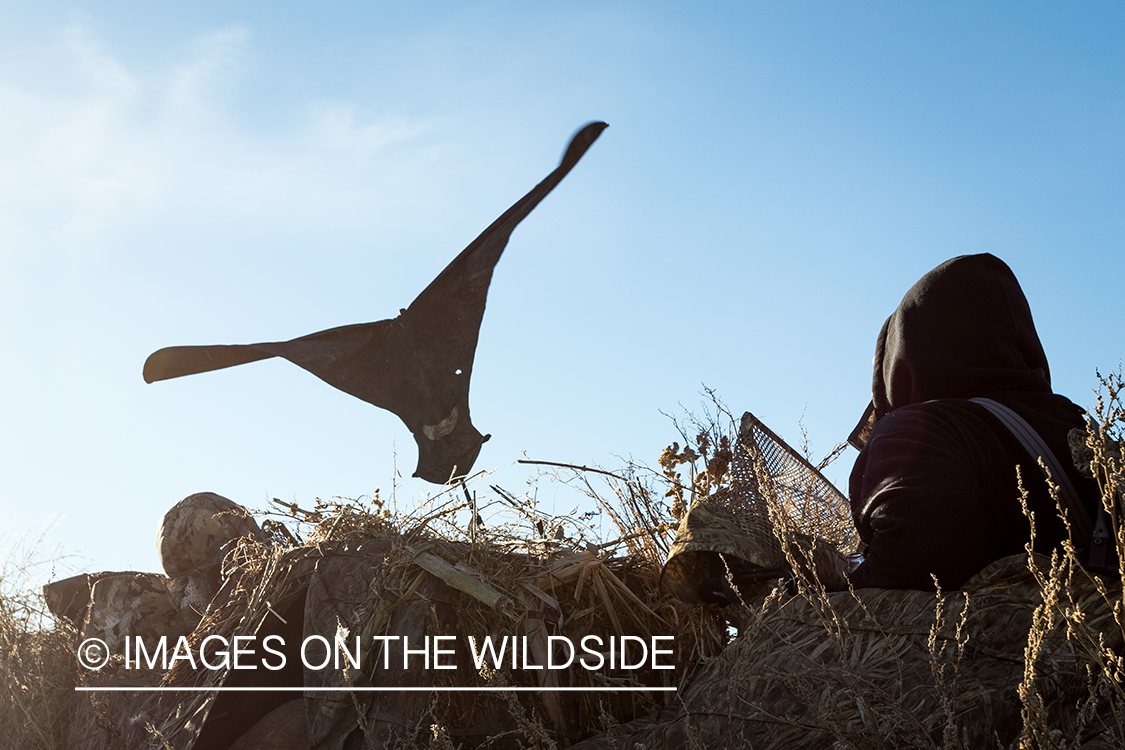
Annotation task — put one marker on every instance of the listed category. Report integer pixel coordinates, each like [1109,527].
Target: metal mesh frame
[735,523]
[810,505]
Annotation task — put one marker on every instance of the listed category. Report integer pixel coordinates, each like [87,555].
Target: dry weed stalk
[556,566]
[839,674]
[1082,612]
[1074,643]
[708,443]
[38,706]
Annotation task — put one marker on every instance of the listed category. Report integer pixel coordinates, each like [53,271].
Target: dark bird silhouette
[416,365]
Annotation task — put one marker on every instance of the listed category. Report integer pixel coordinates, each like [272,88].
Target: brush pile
[528,582]
[1028,654]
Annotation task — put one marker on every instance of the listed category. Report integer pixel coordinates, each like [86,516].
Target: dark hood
[963,330]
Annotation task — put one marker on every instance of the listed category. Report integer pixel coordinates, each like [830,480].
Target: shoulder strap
[1034,445]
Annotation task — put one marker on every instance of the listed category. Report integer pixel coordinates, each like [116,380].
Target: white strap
[1034,445]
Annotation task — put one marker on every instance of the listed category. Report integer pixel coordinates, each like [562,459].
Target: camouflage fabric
[709,526]
[133,604]
[709,529]
[70,597]
[193,532]
[1082,450]
[190,595]
[888,667]
[712,542]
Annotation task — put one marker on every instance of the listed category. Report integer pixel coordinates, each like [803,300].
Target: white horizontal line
[436,689]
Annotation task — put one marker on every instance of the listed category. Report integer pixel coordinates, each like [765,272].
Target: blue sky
[774,178]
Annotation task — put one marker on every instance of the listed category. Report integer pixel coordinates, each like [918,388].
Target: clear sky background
[774,178]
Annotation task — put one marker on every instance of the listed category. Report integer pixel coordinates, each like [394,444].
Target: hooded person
[934,492]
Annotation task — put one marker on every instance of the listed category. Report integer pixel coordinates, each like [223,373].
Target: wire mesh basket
[736,521]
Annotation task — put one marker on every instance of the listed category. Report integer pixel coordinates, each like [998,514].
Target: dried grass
[39,708]
[848,677]
[1071,691]
[520,572]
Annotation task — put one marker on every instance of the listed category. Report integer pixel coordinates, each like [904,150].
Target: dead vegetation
[895,669]
[37,666]
[464,563]
[518,570]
